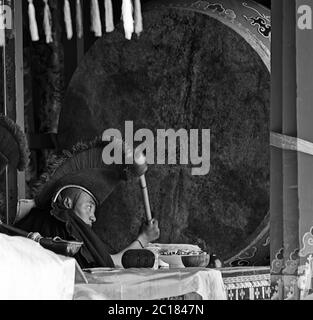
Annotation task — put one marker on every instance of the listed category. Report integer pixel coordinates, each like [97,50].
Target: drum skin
[194,67]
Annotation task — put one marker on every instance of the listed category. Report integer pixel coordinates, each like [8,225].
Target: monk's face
[85,208]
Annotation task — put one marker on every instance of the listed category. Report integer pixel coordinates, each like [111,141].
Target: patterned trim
[215,8]
[255,293]
[244,285]
[261,20]
[291,265]
[307,244]
[257,278]
[255,250]
[278,263]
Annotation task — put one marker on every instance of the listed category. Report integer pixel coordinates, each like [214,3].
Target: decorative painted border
[292,264]
[237,17]
[307,244]
[287,267]
[261,20]
[278,263]
[215,8]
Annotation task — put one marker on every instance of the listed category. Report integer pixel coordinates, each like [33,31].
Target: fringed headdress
[84,167]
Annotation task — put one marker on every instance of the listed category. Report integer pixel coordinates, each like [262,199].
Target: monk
[71,216]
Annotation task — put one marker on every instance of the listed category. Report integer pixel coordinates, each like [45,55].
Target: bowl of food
[173,261]
[182,255]
[196,260]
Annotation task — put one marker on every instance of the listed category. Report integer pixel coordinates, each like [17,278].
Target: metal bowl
[196,261]
[174,261]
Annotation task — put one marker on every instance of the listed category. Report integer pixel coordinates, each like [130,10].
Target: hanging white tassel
[47,21]
[68,20]
[32,21]
[138,18]
[2,27]
[2,37]
[79,20]
[127,14]
[96,26]
[109,21]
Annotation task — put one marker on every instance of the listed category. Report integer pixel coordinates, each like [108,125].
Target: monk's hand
[149,232]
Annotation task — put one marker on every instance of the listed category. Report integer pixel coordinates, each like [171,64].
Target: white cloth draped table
[148,284]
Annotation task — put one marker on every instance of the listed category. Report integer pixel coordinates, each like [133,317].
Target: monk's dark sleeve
[93,252]
[41,221]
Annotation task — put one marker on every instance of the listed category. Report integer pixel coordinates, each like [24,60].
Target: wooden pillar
[284,167]
[290,158]
[297,162]
[14,99]
[276,190]
[305,131]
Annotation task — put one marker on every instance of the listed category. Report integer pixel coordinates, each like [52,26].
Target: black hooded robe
[63,223]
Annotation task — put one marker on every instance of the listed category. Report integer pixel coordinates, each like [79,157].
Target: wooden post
[305,131]
[276,190]
[284,163]
[14,99]
[290,158]
[19,85]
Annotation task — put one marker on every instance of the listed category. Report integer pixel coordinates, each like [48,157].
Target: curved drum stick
[145,195]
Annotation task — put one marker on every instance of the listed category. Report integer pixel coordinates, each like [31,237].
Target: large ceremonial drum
[197,65]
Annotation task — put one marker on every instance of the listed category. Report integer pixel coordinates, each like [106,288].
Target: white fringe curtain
[33,28]
[138,18]
[2,30]
[47,22]
[96,25]
[128,19]
[109,21]
[68,20]
[2,37]
[79,19]
[131,16]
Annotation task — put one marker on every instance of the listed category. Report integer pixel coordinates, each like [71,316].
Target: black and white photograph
[156,150]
